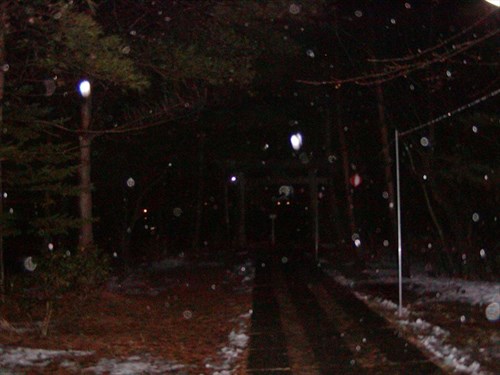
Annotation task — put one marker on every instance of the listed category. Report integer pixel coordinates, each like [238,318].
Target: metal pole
[400,248]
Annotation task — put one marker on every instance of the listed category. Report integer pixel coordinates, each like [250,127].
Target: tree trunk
[334,203]
[3,22]
[227,219]
[389,179]
[313,192]
[344,151]
[86,232]
[242,236]
[436,261]
[199,192]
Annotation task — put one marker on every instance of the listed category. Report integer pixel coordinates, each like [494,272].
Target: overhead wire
[451,113]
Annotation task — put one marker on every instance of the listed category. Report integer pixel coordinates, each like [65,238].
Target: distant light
[145,210]
[84,88]
[355,180]
[296,141]
[233,179]
[494,2]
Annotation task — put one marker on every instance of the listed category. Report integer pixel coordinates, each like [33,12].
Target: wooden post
[86,233]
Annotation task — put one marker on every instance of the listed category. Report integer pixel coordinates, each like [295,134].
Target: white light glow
[84,88]
[494,2]
[296,141]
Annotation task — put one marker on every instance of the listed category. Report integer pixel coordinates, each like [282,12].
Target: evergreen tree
[49,47]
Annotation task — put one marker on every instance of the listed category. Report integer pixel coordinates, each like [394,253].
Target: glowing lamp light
[84,88]
[494,2]
[233,179]
[296,141]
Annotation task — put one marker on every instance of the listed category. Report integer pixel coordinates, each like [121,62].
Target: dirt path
[305,323]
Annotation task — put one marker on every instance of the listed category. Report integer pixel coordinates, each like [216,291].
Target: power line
[451,113]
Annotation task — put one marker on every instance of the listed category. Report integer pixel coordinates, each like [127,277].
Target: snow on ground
[27,357]
[431,337]
[226,363]
[238,338]
[427,335]
[144,364]
[444,289]
[229,354]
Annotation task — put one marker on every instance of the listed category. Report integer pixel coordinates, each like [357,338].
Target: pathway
[305,323]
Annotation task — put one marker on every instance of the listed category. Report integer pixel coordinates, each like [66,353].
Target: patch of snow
[341,279]
[238,341]
[472,292]
[451,356]
[445,289]
[229,354]
[11,358]
[430,336]
[136,365]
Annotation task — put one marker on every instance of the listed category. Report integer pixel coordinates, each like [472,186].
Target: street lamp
[494,2]
[84,88]
[296,141]
[86,233]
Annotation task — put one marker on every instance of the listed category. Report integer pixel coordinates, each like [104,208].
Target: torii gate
[309,176]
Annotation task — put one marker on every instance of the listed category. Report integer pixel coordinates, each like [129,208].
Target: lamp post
[86,233]
[494,2]
[296,141]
